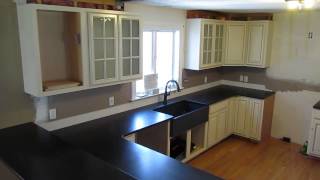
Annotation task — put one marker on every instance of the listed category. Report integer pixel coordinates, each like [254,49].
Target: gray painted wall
[15,106]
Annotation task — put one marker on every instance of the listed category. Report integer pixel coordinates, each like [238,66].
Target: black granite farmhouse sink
[186,115]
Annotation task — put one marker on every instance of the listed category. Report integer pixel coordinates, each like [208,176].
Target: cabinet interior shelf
[59,84]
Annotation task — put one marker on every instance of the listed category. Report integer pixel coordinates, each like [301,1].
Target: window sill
[153,95]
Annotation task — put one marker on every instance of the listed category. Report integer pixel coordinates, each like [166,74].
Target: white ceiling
[224,5]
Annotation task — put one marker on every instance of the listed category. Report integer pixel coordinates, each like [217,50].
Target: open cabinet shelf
[60,49]
[178,147]
[197,140]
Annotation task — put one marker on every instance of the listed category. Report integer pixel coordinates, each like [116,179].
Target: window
[160,62]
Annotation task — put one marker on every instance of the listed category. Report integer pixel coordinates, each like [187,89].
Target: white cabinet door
[217,129]
[314,140]
[103,43]
[241,127]
[255,119]
[256,47]
[219,44]
[259,41]
[130,47]
[212,126]
[232,117]
[235,43]
[207,37]
[222,125]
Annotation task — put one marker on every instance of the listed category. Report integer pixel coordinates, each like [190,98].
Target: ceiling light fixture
[300,4]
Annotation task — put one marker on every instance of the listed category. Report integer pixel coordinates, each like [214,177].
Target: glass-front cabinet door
[130,48]
[103,42]
[207,44]
[218,45]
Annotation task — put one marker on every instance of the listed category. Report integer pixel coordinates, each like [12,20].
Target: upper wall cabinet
[103,40]
[204,48]
[259,42]
[67,49]
[130,48]
[235,43]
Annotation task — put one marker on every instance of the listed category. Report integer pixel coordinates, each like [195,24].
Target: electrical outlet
[241,78]
[245,79]
[52,114]
[205,79]
[111,101]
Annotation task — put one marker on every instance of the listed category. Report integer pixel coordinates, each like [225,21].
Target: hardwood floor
[240,159]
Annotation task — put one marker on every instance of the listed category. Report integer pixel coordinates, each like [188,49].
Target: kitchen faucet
[166,93]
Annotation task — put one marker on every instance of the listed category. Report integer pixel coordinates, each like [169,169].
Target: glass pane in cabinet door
[111,69]
[221,30]
[210,44]
[135,28]
[209,58]
[216,55]
[99,70]
[220,43]
[205,44]
[126,28]
[135,66]
[126,48]
[216,45]
[98,49]
[109,27]
[110,48]
[204,58]
[135,47]
[205,30]
[220,56]
[126,67]
[210,31]
[98,26]
[217,30]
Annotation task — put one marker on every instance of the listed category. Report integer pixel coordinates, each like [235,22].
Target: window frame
[177,32]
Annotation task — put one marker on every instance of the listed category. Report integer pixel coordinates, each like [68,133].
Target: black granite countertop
[99,143]
[33,153]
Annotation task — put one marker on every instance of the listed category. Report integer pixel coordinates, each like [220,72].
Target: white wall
[295,58]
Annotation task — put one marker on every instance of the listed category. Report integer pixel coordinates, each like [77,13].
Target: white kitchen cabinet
[241,121]
[69,49]
[205,42]
[259,41]
[218,122]
[235,43]
[249,115]
[103,43]
[130,47]
[255,116]
[314,135]
[233,109]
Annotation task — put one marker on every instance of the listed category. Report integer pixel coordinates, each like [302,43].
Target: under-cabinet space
[198,139]
[60,49]
[178,147]
[154,137]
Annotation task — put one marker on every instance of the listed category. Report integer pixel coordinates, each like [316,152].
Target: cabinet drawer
[316,114]
[218,106]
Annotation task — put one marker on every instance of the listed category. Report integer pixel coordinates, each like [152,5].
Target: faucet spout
[166,93]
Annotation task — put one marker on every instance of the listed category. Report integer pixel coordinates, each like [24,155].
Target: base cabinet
[242,116]
[314,135]
[218,123]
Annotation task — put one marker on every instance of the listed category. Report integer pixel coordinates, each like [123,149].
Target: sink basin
[186,115]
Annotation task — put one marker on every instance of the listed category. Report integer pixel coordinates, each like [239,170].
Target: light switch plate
[245,79]
[241,78]
[53,114]
[111,101]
